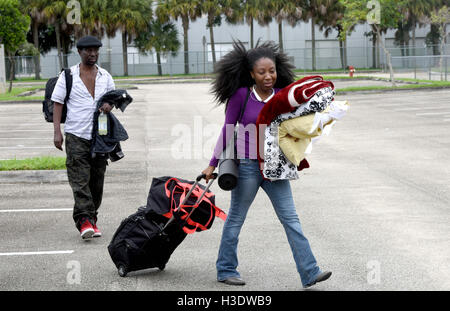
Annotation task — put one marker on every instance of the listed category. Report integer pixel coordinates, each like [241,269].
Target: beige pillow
[294,137]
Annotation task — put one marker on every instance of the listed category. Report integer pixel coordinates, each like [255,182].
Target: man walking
[85,174]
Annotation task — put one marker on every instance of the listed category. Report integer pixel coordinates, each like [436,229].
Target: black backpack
[47,104]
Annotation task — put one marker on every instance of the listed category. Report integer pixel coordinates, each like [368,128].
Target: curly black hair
[233,70]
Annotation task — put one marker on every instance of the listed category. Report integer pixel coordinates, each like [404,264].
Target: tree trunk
[11,71]
[407,45]
[185,22]
[345,53]
[414,46]
[403,52]
[374,50]
[441,59]
[37,58]
[124,53]
[407,48]
[65,49]
[341,53]
[280,35]
[378,52]
[58,43]
[445,33]
[414,37]
[251,33]
[388,57]
[211,37]
[313,44]
[158,62]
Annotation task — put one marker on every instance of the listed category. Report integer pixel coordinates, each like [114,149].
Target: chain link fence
[423,67]
[405,59]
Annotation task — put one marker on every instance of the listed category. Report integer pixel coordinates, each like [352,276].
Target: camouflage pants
[86,177]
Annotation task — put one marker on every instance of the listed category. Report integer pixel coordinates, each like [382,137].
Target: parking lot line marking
[36,210]
[12,131]
[418,104]
[5,124]
[37,253]
[408,109]
[25,138]
[390,104]
[24,147]
[9,116]
[429,113]
[418,108]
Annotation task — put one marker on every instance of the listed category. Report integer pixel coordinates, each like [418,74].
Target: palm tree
[233,12]
[93,15]
[415,11]
[238,11]
[213,9]
[331,21]
[186,10]
[163,37]
[131,17]
[55,12]
[373,35]
[35,9]
[342,43]
[433,38]
[441,18]
[288,10]
[402,38]
[316,9]
[252,11]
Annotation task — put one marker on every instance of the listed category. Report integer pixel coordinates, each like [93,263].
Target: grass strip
[401,87]
[37,163]
[13,95]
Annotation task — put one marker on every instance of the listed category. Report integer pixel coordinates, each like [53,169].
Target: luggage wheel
[122,271]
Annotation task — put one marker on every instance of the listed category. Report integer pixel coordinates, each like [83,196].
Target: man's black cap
[89,41]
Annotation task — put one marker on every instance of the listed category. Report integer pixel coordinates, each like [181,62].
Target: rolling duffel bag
[175,208]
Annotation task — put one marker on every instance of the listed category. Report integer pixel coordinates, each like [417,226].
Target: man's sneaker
[86,229]
[97,232]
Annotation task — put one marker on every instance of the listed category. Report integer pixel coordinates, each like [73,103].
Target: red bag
[167,195]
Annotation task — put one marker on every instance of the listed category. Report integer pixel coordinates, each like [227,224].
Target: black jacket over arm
[108,146]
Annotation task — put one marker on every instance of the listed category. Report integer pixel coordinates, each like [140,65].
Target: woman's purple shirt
[246,138]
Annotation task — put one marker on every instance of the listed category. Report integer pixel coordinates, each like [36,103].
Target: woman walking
[250,79]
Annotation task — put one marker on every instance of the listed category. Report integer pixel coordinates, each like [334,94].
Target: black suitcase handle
[203,176]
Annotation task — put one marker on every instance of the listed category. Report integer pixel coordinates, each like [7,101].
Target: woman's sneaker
[86,229]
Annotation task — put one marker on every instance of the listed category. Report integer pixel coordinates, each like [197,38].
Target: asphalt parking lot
[374,204]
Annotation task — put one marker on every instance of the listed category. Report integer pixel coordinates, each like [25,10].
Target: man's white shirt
[80,105]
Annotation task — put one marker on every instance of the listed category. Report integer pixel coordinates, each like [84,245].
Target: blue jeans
[280,194]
